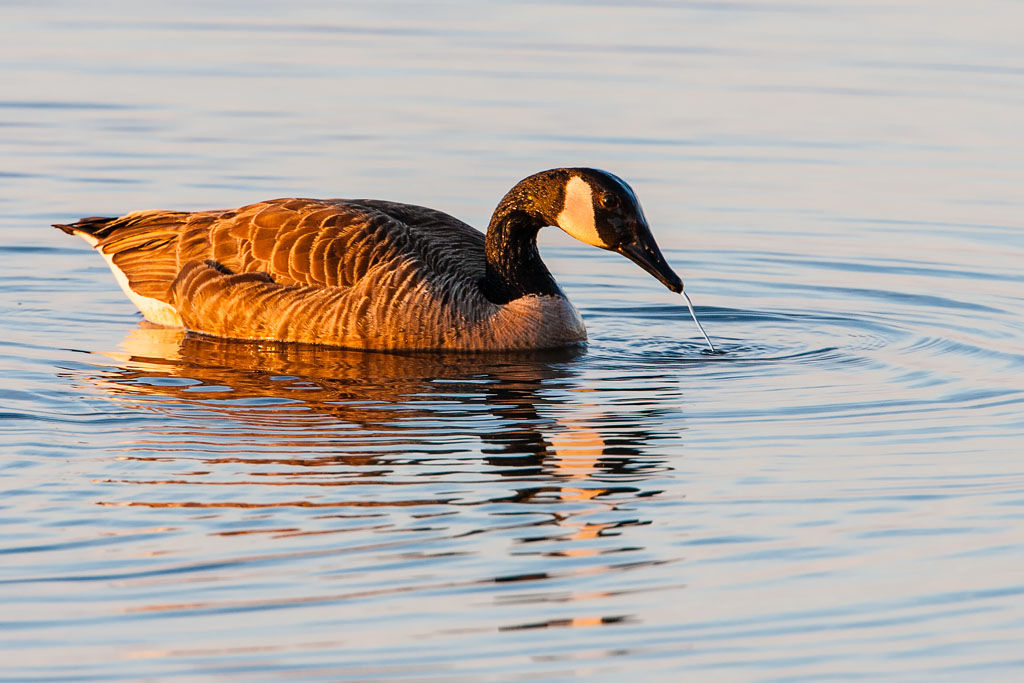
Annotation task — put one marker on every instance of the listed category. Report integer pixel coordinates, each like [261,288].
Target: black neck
[514,266]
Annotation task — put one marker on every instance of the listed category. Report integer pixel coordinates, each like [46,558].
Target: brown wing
[318,243]
[334,243]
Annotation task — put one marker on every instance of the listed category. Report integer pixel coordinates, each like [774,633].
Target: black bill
[645,253]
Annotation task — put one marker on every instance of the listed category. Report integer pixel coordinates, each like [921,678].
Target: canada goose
[374,274]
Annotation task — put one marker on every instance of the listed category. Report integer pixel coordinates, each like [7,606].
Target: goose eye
[608,201]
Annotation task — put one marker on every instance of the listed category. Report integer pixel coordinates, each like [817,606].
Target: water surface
[839,495]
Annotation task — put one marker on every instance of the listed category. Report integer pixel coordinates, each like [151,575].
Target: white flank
[577,216]
[88,238]
[154,310]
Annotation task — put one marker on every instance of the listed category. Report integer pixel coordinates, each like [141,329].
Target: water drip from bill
[699,326]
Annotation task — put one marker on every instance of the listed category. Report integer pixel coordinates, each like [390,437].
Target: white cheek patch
[577,216]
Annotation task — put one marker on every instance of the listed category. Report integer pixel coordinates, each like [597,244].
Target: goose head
[593,206]
[600,209]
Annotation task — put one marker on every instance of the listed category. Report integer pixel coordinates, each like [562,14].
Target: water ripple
[839,494]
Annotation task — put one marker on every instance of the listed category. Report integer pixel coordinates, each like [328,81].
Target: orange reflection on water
[352,428]
[572,622]
[289,503]
[577,448]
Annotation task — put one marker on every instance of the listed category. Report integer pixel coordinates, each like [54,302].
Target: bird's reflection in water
[525,413]
[524,438]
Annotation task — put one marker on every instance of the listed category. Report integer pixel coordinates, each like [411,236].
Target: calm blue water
[841,495]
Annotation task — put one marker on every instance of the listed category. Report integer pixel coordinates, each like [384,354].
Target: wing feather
[321,243]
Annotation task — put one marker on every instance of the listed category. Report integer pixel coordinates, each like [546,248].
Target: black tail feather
[97,226]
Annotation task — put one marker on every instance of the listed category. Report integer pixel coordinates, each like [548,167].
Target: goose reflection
[408,456]
[448,427]
[520,411]
[371,405]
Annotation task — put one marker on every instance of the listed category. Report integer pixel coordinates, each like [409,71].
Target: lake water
[840,495]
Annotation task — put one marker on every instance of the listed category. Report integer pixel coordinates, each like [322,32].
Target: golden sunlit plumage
[369,274]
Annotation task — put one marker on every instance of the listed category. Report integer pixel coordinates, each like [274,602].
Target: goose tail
[91,229]
[136,249]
